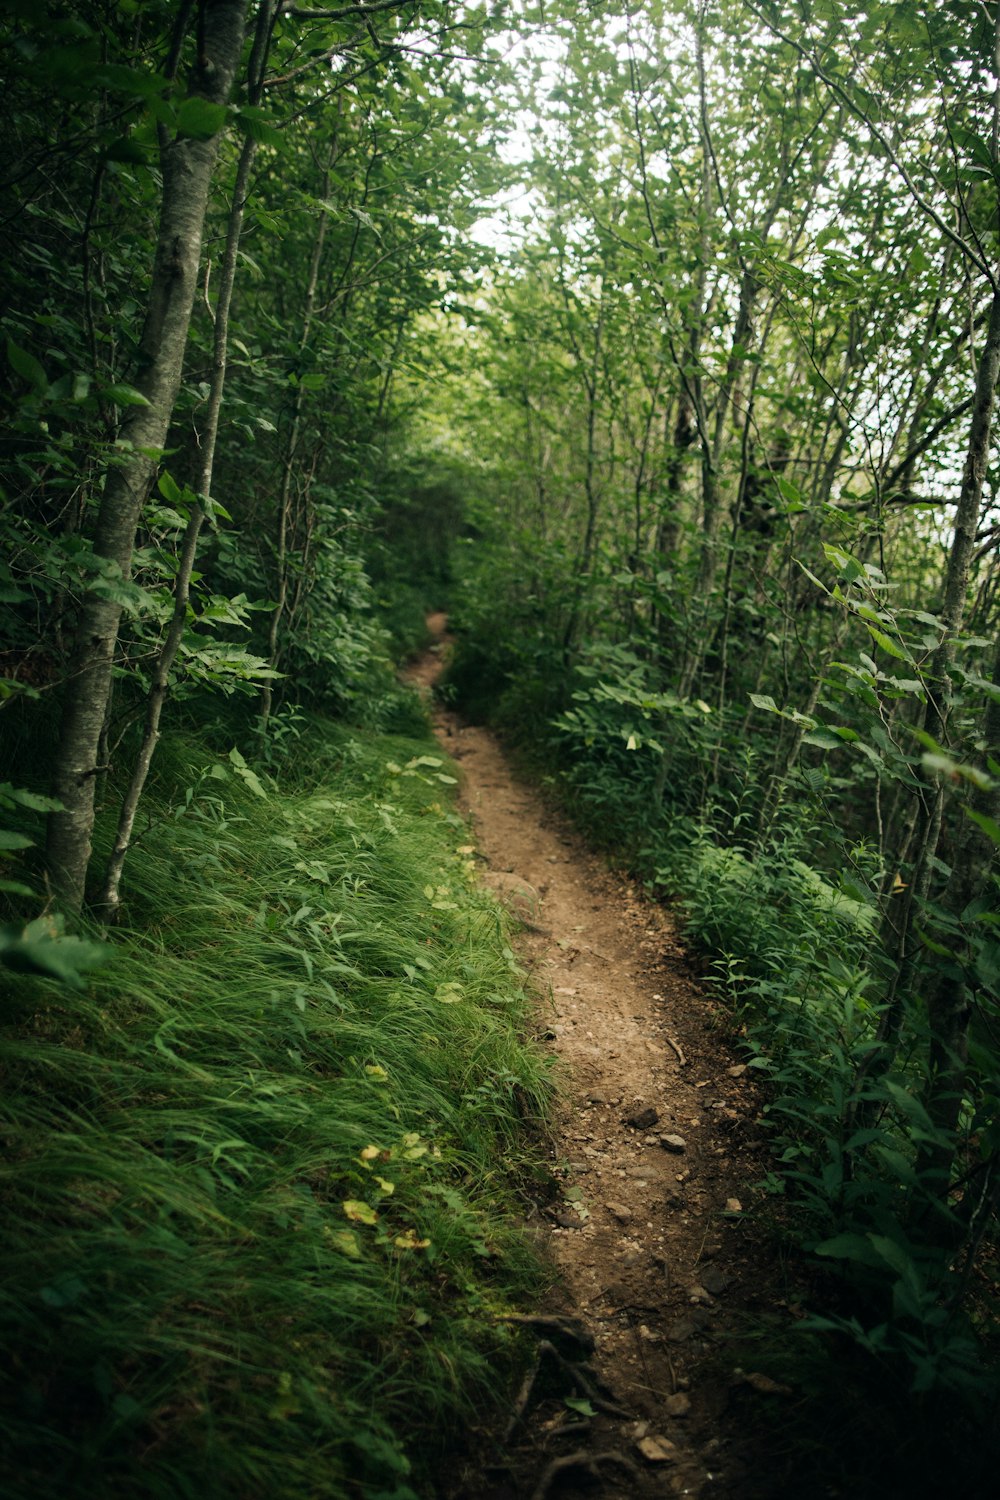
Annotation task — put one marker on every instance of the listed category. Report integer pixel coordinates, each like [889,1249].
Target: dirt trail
[655,1148]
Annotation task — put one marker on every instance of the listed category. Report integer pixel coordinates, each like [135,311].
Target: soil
[651,1225]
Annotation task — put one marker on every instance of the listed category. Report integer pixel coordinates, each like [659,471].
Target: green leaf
[792,497]
[344,1240]
[200,118]
[9,795]
[10,840]
[847,566]
[249,778]
[849,1247]
[825,739]
[27,366]
[764,701]
[169,488]
[989,826]
[887,644]
[258,125]
[124,395]
[42,947]
[127,150]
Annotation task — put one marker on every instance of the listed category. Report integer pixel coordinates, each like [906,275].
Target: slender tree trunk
[159,688]
[946,1011]
[288,467]
[187,166]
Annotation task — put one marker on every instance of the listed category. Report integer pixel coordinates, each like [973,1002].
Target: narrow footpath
[655,1148]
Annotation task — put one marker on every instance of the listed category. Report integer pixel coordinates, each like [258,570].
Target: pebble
[681,1330]
[674,1143]
[657,1450]
[642,1119]
[677,1406]
[620,1212]
[569,1221]
[733,1206]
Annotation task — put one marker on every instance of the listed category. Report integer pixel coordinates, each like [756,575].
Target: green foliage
[254,1222]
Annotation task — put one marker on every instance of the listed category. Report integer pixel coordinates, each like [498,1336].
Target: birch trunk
[187,166]
[160,686]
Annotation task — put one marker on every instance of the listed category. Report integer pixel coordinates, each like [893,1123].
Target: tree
[187,154]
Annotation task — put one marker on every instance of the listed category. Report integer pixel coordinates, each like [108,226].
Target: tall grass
[257,1180]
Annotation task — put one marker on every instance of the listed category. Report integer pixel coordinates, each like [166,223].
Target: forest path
[654,1147]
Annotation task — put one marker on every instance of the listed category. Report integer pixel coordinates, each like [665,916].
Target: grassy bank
[257,1177]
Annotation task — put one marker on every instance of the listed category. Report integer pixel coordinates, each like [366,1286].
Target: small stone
[596,1097]
[569,1221]
[733,1206]
[697,1293]
[680,1331]
[677,1406]
[643,1172]
[518,895]
[657,1450]
[649,1140]
[620,1212]
[642,1119]
[674,1143]
[714,1280]
[648,1336]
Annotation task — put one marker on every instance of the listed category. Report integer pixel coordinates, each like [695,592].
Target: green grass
[257,1180]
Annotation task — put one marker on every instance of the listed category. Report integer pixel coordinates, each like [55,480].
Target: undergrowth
[782,910]
[258,1176]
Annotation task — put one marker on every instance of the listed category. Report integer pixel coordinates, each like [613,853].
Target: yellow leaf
[362,1213]
[386,1186]
[409,1240]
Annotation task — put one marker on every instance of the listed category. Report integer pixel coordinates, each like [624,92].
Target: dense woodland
[658,343]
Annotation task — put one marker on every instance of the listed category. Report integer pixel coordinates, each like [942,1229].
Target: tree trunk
[187,166]
[160,685]
[947,1011]
[284,515]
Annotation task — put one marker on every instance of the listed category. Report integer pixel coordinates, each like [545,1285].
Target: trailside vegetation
[696,438]
[730,575]
[257,1232]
